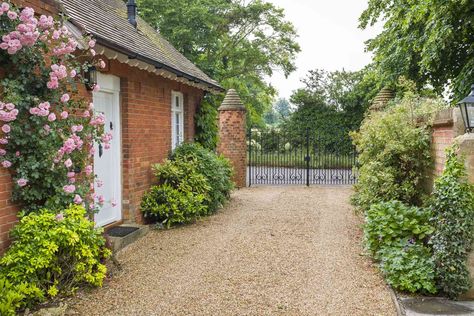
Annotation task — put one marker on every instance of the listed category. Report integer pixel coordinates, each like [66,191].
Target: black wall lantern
[90,77]
[467,111]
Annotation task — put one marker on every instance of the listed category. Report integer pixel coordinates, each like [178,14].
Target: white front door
[107,162]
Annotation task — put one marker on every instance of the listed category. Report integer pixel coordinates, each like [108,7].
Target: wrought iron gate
[276,158]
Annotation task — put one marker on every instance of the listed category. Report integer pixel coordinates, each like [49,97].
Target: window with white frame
[177,119]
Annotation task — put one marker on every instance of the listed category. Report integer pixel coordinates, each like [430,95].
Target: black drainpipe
[132,12]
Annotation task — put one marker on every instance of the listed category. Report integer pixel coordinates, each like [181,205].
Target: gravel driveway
[270,251]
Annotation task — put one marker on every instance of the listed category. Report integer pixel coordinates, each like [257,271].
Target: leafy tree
[332,103]
[427,41]
[283,108]
[238,43]
[279,112]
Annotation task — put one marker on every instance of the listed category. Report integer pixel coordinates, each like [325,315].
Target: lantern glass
[91,77]
[467,111]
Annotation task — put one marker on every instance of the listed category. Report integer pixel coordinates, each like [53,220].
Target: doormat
[121,231]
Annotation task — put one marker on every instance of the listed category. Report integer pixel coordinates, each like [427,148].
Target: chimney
[132,12]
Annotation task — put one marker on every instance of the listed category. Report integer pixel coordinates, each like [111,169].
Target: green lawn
[296,160]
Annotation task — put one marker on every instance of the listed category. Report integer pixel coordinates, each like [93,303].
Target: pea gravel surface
[269,251]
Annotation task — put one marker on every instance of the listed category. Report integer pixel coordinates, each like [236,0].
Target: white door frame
[111,84]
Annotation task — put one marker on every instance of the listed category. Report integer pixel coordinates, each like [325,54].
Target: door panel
[107,162]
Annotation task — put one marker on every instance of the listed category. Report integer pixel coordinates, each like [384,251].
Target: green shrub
[193,183]
[389,222]
[408,266]
[12,297]
[206,124]
[169,206]
[184,176]
[394,153]
[216,169]
[52,254]
[452,204]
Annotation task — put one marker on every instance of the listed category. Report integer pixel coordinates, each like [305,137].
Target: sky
[329,38]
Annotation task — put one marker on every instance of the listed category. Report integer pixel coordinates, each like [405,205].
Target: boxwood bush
[193,182]
[51,254]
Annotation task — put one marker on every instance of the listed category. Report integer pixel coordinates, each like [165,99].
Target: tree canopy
[332,103]
[238,43]
[427,41]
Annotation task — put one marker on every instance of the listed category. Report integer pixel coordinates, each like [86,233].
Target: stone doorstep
[118,243]
[423,306]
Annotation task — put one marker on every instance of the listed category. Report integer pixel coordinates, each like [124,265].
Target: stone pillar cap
[232,102]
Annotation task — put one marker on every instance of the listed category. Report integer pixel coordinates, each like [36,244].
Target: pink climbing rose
[88,170]
[6,128]
[22,182]
[70,188]
[65,98]
[52,117]
[77,199]
[64,115]
[6,164]
[68,163]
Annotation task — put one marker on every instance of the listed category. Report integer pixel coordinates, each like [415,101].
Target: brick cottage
[149,94]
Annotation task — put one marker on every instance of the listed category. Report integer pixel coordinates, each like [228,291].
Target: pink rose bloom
[34,111]
[88,170]
[64,115]
[69,188]
[22,182]
[68,163]
[77,199]
[71,174]
[102,64]
[101,199]
[52,117]
[6,128]
[72,180]
[12,15]
[73,73]
[59,217]
[5,7]
[96,88]
[65,98]
[93,53]
[92,43]
[3,141]
[47,128]
[6,164]
[86,114]
[3,152]
[17,154]
[91,106]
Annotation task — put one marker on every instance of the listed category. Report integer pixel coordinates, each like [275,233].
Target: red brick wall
[232,142]
[146,131]
[146,128]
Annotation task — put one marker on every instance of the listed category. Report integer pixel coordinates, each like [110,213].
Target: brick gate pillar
[232,135]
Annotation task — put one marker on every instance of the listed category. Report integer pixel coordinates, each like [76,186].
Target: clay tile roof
[107,21]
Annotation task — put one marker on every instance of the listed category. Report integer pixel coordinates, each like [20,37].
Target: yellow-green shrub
[53,254]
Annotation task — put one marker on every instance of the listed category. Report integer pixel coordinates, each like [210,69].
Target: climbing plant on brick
[47,130]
